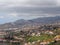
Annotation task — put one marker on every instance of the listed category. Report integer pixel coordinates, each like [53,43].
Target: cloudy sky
[11,10]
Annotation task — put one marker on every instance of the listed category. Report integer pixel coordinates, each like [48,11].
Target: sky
[11,10]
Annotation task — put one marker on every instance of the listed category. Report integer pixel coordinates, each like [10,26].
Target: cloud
[13,14]
[27,3]
[28,9]
[1,17]
[11,10]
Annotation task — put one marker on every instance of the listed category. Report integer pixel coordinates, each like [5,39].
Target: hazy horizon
[11,10]
[27,19]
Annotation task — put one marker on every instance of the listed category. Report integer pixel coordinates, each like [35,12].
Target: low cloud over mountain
[11,10]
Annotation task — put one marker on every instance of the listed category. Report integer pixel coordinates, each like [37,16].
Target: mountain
[38,21]
[47,20]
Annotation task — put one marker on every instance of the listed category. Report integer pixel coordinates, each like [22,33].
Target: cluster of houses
[37,43]
[33,32]
[56,38]
[2,34]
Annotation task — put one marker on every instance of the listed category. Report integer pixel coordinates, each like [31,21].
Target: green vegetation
[41,38]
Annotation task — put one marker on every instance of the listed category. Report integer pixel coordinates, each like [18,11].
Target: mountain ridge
[37,21]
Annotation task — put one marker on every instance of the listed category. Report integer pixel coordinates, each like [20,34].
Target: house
[38,34]
[33,34]
[27,43]
[33,43]
[57,38]
[15,37]
[44,43]
[49,32]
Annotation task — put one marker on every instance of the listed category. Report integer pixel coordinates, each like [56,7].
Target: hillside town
[29,22]
[41,35]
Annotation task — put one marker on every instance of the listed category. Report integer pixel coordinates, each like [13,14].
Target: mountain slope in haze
[46,20]
[37,21]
